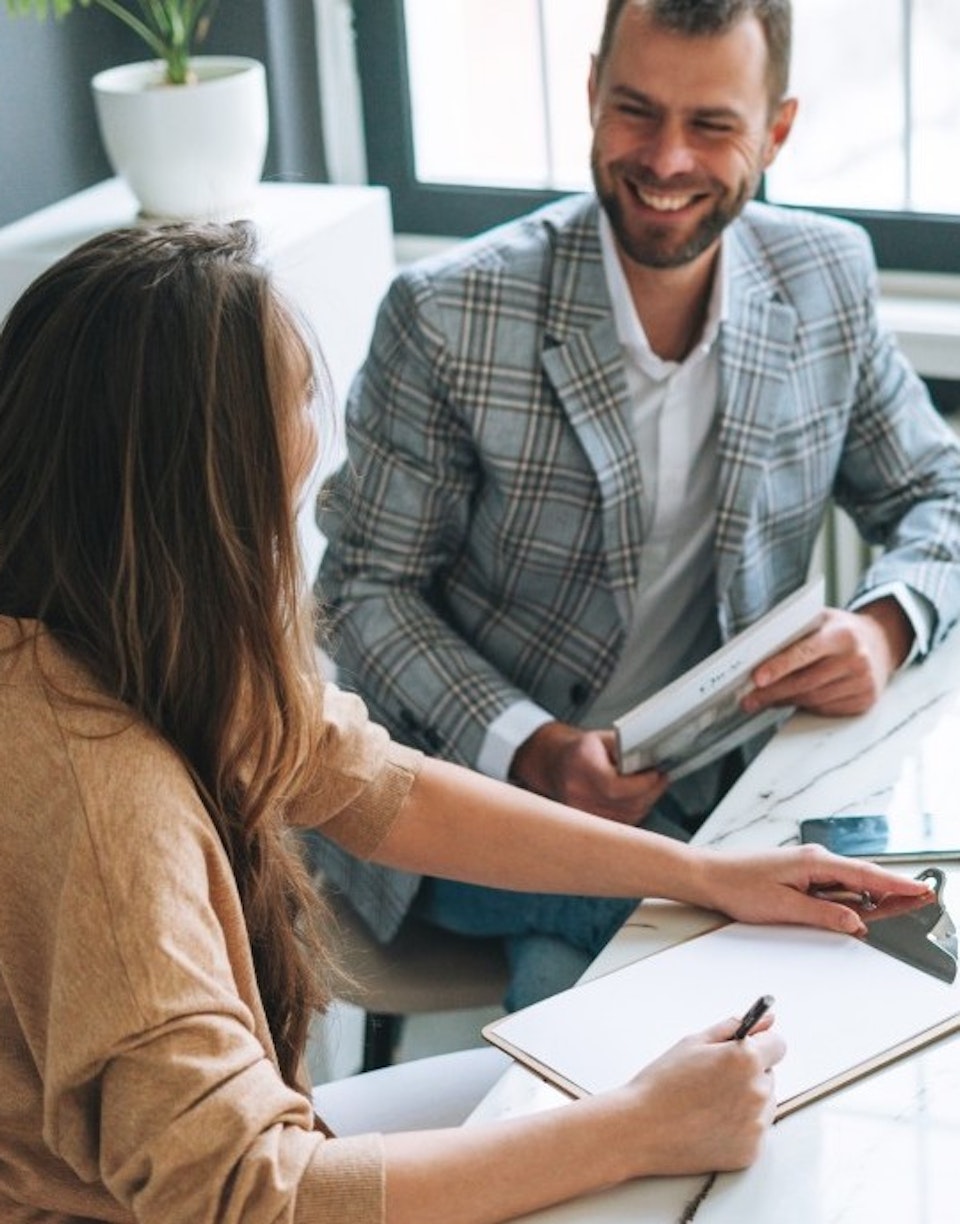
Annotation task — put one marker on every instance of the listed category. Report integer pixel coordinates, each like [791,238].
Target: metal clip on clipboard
[917,931]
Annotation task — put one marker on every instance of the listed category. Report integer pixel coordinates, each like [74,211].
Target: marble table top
[888,1146]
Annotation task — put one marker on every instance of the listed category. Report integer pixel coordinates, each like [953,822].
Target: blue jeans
[550,939]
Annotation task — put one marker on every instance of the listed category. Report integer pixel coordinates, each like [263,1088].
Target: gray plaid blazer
[485,534]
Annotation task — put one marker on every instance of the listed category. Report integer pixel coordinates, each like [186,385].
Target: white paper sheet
[841,1006]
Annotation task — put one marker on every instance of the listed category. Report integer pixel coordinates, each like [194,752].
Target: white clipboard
[843,1008]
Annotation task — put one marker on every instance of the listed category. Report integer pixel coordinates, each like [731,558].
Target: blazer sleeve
[396,517]
[899,477]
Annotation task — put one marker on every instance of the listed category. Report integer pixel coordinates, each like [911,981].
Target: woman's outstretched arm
[461,824]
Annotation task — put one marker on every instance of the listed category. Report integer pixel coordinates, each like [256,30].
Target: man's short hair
[696,17]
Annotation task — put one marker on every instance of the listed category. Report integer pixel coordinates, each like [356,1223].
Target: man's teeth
[660,203]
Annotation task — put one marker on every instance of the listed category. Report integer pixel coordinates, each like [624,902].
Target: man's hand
[840,668]
[578,768]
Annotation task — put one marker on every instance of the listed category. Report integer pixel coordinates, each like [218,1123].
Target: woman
[162,723]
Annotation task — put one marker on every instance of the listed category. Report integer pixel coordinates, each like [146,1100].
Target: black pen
[750,1018]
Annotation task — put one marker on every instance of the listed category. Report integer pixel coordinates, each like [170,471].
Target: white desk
[887,1148]
[330,249]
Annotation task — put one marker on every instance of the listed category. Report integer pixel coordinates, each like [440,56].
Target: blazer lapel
[756,342]
[583,361]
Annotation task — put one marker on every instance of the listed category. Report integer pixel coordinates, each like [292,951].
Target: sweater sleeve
[360,780]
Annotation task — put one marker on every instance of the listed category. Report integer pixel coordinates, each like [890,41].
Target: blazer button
[579,693]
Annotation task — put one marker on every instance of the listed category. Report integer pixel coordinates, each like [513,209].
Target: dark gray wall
[49,145]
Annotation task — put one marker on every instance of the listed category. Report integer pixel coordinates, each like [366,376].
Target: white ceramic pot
[186,151]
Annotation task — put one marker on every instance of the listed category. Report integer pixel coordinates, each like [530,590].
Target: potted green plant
[188,133]
[170,28]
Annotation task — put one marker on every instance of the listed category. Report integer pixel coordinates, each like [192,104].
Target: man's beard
[651,245]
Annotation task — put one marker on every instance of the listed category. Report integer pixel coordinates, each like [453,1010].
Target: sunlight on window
[936,77]
[861,139]
[495,100]
[499,96]
[476,92]
[571,35]
[847,144]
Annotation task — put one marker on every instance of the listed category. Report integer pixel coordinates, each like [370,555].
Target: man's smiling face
[683,128]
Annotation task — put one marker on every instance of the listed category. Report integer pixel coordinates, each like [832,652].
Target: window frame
[912,242]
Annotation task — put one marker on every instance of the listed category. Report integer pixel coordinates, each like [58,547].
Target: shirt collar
[629,328]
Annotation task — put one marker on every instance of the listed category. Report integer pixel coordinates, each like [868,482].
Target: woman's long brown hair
[152,395]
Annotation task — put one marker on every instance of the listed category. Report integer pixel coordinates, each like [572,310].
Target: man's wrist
[505,735]
[538,764]
[897,629]
[529,768]
[918,610]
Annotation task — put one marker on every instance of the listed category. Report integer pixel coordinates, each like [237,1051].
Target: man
[591,446]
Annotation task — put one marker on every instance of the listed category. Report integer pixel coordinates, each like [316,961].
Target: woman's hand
[703,1106]
[713,1099]
[776,886]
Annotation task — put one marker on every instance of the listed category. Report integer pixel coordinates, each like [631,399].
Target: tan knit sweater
[138,1079]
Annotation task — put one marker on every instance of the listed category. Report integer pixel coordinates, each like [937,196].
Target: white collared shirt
[674,424]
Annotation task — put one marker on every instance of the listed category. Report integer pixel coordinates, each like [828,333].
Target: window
[531,129]
[879,114]
[476,111]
